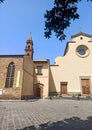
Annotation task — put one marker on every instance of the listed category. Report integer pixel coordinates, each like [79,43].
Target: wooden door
[64,88]
[39,92]
[85,86]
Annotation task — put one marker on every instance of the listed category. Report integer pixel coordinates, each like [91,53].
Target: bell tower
[29,47]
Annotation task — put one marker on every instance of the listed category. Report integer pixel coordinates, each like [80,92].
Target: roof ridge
[81,33]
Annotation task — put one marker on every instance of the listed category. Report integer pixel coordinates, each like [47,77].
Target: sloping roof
[4,56]
[41,60]
[81,33]
[76,35]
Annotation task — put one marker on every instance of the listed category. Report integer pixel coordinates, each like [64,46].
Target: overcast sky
[20,17]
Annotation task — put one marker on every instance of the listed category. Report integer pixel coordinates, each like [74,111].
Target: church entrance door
[85,86]
[63,88]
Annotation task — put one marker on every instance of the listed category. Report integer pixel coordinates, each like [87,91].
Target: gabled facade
[72,73]
[22,77]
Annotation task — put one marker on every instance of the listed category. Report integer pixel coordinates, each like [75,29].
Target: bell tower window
[27,54]
[28,46]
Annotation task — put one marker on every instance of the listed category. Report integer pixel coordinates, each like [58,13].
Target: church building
[22,77]
[72,73]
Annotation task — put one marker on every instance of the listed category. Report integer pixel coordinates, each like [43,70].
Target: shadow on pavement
[73,123]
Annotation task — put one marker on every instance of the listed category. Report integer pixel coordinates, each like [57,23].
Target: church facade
[22,77]
[72,73]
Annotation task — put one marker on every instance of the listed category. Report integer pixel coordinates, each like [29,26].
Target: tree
[60,16]
[1,1]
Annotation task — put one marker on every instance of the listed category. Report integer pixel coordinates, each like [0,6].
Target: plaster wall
[44,78]
[72,68]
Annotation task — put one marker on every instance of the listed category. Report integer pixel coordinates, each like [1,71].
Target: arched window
[28,46]
[27,54]
[10,75]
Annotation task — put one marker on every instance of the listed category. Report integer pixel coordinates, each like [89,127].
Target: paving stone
[46,115]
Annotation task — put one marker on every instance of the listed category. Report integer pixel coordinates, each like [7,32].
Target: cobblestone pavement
[46,114]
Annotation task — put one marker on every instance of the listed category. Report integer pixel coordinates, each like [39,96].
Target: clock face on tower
[82,51]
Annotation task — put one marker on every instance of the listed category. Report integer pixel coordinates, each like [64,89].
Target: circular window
[82,51]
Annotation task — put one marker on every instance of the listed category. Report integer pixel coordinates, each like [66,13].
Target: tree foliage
[60,16]
[1,1]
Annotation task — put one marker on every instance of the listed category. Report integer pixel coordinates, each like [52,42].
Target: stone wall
[15,91]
